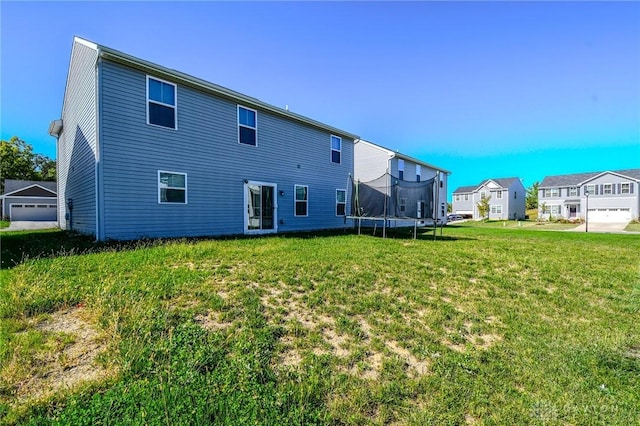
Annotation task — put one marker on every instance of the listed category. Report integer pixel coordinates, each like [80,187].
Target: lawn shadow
[18,247]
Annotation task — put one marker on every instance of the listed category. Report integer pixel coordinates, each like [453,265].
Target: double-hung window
[302,200]
[419,172]
[341,202]
[573,191]
[247,126]
[496,209]
[401,169]
[457,197]
[591,189]
[625,188]
[336,149]
[172,187]
[607,188]
[161,103]
[498,195]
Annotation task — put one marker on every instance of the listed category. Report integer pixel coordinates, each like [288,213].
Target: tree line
[18,161]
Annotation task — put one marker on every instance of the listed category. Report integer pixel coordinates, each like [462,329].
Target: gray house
[29,200]
[614,196]
[374,162]
[147,151]
[506,199]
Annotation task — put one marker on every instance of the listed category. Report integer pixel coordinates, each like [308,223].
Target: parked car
[454,217]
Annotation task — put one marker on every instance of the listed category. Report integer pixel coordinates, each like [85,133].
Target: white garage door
[610,215]
[37,212]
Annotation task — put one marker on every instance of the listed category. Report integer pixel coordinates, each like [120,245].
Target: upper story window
[625,188]
[302,200]
[607,189]
[172,187]
[499,195]
[161,103]
[466,197]
[341,202]
[550,192]
[457,197]
[591,189]
[418,172]
[247,126]
[573,191]
[403,205]
[401,169]
[336,149]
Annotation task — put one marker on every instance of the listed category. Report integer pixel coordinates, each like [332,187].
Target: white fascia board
[28,187]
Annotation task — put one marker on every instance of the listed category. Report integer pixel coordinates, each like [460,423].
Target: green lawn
[4,224]
[488,325]
[633,226]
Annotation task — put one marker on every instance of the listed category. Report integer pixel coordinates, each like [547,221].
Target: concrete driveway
[29,226]
[613,227]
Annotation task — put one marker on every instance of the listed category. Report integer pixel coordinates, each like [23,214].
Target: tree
[449,208]
[483,206]
[18,161]
[532,196]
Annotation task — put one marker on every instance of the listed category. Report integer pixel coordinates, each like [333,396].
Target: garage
[610,215]
[33,212]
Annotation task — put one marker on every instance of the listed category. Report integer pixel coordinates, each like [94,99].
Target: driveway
[29,226]
[613,227]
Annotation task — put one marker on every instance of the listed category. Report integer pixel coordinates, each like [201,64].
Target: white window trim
[575,190]
[498,195]
[604,188]
[295,200]
[175,107]
[332,149]
[628,187]
[494,209]
[337,202]
[186,192]
[244,125]
[591,189]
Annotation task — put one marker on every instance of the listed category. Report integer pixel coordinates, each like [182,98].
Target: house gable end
[32,191]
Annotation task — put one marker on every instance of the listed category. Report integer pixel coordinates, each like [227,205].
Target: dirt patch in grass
[211,321]
[72,360]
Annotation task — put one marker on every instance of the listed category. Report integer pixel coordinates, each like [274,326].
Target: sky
[482,89]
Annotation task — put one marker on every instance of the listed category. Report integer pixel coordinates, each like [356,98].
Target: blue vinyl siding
[205,147]
[77,143]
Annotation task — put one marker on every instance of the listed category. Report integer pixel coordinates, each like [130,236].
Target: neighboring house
[147,151]
[374,161]
[29,200]
[506,199]
[614,196]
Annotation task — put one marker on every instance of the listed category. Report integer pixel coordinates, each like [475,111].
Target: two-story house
[612,196]
[506,199]
[147,151]
[390,168]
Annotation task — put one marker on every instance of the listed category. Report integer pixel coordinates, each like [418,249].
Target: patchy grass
[633,226]
[4,224]
[532,213]
[487,325]
[519,224]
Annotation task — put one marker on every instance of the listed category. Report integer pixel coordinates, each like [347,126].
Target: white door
[609,215]
[33,212]
[260,208]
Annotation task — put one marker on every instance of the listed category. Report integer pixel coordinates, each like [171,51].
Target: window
[573,191]
[551,209]
[499,195]
[607,189]
[403,205]
[625,188]
[302,200]
[172,187]
[341,202]
[418,172]
[336,149]
[591,189]
[483,194]
[161,103]
[401,169]
[457,197]
[496,209]
[247,126]
[550,192]
[466,197]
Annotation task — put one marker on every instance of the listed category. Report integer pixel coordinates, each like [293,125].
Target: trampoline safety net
[403,199]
